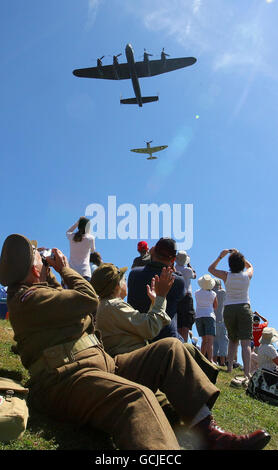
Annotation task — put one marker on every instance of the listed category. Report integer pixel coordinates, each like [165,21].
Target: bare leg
[204,345]
[246,356]
[222,360]
[208,339]
[232,348]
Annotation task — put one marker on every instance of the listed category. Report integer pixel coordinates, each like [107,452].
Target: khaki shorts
[238,320]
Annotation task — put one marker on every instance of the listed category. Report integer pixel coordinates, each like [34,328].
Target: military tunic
[125,329]
[90,387]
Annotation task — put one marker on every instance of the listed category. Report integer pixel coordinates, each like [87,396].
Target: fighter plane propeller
[134,71]
[150,150]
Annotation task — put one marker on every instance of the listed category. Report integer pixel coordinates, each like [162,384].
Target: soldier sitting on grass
[75,380]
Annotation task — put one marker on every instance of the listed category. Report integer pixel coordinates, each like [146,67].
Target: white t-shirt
[80,253]
[266,353]
[204,303]
[187,274]
[237,288]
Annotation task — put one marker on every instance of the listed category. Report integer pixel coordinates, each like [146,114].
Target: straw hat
[206,282]
[269,335]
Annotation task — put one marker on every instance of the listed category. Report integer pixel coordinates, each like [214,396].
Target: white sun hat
[269,335]
[206,282]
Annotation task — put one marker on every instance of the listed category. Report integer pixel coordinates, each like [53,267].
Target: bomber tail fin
[129,101]
[145,99]
[149,99]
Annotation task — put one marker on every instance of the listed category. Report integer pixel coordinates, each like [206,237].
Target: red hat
[142,246]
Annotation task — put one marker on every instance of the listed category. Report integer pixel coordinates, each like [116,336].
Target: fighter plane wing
[150,149]
[157,149]
[108,72]
[144,150]
[156,67]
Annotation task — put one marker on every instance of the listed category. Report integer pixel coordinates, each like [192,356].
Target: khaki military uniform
[125,329]
[74,379]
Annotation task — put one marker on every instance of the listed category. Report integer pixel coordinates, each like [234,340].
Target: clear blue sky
[65,141]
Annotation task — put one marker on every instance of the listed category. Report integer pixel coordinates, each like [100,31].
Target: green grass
[233,411]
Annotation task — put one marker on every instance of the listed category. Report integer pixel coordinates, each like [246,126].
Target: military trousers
[116,395]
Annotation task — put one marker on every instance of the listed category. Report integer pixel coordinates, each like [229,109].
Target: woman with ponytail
[82,244]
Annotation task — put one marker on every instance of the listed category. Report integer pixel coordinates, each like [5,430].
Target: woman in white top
[206,303]
[238,316]
[82,244]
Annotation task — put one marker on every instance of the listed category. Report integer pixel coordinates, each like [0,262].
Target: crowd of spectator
[146,339]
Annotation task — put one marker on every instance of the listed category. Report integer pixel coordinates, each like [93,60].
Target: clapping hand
[160,285]
[151,290]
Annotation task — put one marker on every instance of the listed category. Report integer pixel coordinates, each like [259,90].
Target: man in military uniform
[72,378]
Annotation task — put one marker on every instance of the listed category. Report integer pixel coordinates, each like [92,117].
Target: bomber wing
[108,72]
[156,67]
[121,71]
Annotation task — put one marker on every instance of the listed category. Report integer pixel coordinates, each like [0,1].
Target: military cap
[105,279]
[17,257]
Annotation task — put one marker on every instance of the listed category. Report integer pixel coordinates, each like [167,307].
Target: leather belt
[70,349]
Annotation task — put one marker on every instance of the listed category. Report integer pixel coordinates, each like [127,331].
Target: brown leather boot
[215,438]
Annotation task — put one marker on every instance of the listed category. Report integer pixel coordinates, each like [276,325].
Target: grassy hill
[234,411]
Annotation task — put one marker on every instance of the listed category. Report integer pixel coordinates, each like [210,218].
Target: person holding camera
[72,377]
[258,329]
[185,309]
[82,244]
[238,316]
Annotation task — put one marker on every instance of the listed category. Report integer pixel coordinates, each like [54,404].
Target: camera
[46,253]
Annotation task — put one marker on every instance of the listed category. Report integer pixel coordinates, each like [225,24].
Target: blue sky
[65,141]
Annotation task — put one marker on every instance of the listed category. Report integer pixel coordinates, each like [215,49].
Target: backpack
[3,303]
[263,385]
[13,409]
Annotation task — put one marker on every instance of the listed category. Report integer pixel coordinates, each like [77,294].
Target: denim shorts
[206,326]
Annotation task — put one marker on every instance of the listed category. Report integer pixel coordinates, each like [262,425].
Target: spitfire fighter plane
[150,150]
[134,71]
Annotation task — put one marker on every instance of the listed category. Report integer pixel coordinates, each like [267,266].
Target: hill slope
[234,411]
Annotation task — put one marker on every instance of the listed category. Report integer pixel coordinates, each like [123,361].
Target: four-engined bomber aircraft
[135,70]
[150,150]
